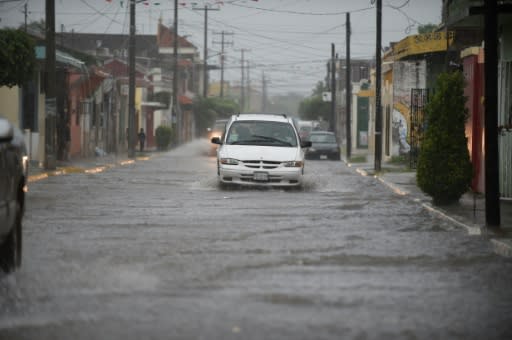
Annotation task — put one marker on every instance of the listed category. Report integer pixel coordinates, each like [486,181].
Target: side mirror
[305,144]
[216,140]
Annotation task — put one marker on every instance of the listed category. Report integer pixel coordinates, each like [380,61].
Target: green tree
[314,108]
[319,89]
[427,28]
[444,169]
[207,110]
[17,57]
[36,26]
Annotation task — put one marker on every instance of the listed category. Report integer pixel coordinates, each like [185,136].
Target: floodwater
[156,250]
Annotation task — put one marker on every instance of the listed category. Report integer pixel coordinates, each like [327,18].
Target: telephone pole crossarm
[222,43]
[242,80]
[205,53]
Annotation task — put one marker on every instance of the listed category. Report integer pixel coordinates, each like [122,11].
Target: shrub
[163,136]
[444,169]
[17,57]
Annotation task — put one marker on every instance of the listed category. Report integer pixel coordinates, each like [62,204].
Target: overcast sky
[289,40]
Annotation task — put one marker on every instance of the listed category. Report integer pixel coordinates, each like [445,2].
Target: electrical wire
[97,11]
[112,21]
[262,36]
[14,7]
[399,7]
[302,13]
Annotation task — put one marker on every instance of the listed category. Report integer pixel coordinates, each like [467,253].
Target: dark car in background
[323,146]
[13,176]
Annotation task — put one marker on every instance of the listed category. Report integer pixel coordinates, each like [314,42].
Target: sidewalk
[96,164]
[468,213]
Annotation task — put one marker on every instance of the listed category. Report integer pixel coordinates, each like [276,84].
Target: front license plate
[323,156]
[261,176]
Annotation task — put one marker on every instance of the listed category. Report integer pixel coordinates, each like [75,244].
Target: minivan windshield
[267,133]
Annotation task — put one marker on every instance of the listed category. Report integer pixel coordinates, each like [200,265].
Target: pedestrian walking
[142,139]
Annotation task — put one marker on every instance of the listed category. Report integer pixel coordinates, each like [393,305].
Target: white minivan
[260,149]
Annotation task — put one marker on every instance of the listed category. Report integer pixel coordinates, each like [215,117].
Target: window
[265,133]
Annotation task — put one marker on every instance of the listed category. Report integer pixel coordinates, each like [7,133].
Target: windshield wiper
[277,140]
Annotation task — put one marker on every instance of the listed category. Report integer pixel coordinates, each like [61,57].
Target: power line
[112,21]
[97,11]
[260,35]
[205,56]
[302,13]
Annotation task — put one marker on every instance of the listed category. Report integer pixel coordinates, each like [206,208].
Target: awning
[60,57]
[184,100]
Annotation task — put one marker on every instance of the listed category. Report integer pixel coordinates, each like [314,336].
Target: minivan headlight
[293,164]
[229,161]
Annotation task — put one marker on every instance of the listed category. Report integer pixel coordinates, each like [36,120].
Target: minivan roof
[275,117]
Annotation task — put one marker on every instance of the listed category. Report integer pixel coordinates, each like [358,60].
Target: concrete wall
[10,99]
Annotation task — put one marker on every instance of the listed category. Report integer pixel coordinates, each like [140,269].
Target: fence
[419,99]
[505,128]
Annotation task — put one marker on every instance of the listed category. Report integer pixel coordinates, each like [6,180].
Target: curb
[91,169]
[501,247]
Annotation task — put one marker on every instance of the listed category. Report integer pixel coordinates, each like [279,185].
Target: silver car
[13,177]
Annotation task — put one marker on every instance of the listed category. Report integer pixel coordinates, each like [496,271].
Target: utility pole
[264,92]
[50,156]
[222,68]
[332,124]
[223,43]
[205,53]
[131,83]
[248,86]
[205,63]
[378,76]
[25,12]
[492,190]
[348,90]
[176,112]
[242,82]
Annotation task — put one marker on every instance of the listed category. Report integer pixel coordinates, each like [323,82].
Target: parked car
[13,176]
[216,131]
[260,149]
[323,146]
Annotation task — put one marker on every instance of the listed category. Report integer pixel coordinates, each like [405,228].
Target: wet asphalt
[154,249]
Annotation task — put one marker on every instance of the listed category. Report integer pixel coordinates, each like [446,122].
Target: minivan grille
[261,164]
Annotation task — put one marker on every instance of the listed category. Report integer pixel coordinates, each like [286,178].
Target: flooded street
[156,250]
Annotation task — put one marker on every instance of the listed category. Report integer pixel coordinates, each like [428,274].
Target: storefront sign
[422,43]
